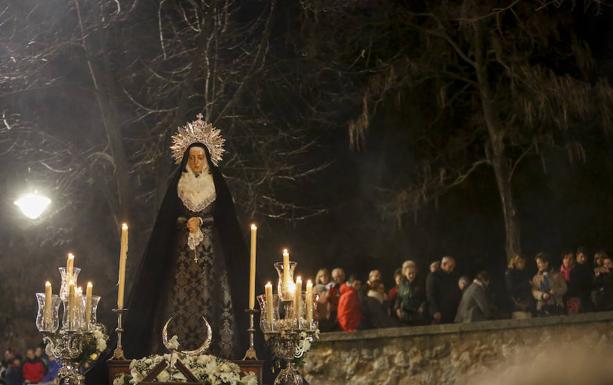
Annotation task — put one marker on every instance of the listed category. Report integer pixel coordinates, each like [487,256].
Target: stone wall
[443,354]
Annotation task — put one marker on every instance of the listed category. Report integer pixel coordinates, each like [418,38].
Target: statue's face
[197,160]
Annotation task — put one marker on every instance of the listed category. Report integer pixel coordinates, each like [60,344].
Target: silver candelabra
[288,325]
[79,339]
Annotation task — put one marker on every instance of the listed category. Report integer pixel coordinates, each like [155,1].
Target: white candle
[309,303]
[123,256]
[71,305]
[88,303]
[286,276]
[70,267]
[269,303]
[298,298]
[47,315]
[252,259]
[79,305]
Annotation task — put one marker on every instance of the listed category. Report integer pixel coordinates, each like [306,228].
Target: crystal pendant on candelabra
[92,313]
[66,280]
[286,289]
[49,322]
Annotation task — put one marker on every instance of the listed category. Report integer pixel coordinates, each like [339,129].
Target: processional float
[76,339]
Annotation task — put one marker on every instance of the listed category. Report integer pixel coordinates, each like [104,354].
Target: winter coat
[519,289]
[553,283]
[581,282]
[392,295]
[475,304]
[375,313]
[443,294]
[604,291]
[410,300]
[53,368]
[13,375]
[33,371]
[349,313]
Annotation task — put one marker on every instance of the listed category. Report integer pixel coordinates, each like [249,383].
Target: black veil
[152,281]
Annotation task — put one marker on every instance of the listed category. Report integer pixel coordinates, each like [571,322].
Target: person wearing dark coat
[517,281]
[411,299]
[604,286]
[443,293]
[375,308]
[13,375]
[582,282]
[476,304]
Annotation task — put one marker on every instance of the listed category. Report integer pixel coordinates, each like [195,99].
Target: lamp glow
[33,205]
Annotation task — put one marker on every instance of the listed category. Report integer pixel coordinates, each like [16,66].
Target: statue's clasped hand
[193,224]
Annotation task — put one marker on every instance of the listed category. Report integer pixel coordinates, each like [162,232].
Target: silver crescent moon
[196,352]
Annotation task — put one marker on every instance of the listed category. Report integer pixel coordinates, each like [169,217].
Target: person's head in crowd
[435,266]
[448,264]
[39,352]
[338,276]
[15,361]
[568,259]
[320,292]
[354,282]
[517,262]
[375,275]
[599,258]
[9,354]
[409,270]
[322,277]
[397,276]
[542,262]
[377,290]
[582,258]
[484,278]
[607,263]
[30,354]
[463,282]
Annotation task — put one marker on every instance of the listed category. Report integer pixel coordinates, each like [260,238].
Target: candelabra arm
[251,353]
[118,352]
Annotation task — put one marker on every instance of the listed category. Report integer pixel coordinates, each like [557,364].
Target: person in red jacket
[33,368]
[349,311]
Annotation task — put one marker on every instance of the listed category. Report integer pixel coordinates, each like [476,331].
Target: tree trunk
[103,85]
[497,154]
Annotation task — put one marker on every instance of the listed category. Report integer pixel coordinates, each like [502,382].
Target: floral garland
[208,370]
[94,343]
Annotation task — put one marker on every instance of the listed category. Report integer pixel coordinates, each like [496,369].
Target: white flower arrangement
[94,343]
[206,368]
[306,341]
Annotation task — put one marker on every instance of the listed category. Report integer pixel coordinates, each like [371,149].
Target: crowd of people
[35,368]
[442,296]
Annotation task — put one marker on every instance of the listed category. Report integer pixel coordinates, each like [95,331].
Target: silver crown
[198,131]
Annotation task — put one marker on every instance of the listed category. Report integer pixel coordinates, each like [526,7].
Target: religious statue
[195,264]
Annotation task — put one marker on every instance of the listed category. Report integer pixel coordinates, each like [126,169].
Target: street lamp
[33,205]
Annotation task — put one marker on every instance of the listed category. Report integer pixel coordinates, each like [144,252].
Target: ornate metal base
[290,376]
[69,374]
[251,354]
[118,352]
[66,346]
[286,346]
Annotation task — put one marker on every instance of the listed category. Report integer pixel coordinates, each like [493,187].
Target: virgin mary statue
[195,264]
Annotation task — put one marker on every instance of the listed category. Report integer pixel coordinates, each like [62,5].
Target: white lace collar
[196,192]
